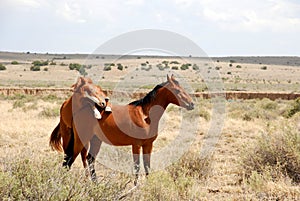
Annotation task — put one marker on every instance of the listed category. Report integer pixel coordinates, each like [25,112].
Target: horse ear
[168,78]
[77,84]
[172,77]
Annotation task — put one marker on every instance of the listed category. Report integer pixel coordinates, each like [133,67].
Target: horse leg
[95,145]
[84,159]
[147,149]
[136,149]
[74,147]
[68,145]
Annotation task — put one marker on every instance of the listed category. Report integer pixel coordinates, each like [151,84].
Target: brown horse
[135,124]
[87,96]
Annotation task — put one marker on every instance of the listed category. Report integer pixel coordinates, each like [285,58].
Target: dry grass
[29,170]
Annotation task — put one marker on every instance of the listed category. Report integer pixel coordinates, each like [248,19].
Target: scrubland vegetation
[257,157]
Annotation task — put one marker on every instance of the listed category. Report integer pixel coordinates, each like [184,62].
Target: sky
[218,27]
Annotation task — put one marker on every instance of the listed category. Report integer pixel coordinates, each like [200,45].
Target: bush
[184,67]
[295,108]
[40,63]
[174,68]
[52,63]
[2,67]
[195,67]
[14,63]
[160,66]
[230,65]
[107,68]
[174,62]
[75,66]
[119,66]
[275,152]
[27,178]
[238,66]
[35,68]
[264,68]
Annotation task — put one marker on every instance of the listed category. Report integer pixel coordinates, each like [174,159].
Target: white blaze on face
[97,113]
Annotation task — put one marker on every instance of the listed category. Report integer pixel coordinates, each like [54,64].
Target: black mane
[149,97]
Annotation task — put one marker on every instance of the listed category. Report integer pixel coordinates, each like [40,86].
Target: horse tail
[55,139]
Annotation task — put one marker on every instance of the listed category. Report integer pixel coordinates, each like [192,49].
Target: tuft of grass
[249,110]
[49,112]
[295,108]
[277,152]
[25,178]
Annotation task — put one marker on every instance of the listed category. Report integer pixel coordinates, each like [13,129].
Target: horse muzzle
[190,106]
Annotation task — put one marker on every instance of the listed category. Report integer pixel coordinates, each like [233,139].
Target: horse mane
[149,97]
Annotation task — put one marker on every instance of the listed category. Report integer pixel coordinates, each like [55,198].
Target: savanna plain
[254,156]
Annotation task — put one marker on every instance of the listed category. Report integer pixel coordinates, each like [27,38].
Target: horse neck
[158,104]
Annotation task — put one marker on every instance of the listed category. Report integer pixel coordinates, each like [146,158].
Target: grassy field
[257,157]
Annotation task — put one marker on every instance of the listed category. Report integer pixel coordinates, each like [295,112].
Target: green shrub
[107,68]
[14,63]
[174,68]
[63,64]
[264,68]
[174,62]
[82,71]
[40,63]
[184,67]
[230,65]
[120,67]
[35,68]
[195,67]
[52,63]
[238,66]
[165,63]
[45,69]
[75,66]
[2,67]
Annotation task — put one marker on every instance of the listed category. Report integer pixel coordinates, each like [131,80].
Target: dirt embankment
[206,95]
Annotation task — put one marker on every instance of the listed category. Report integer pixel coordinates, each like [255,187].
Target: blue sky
[219,27]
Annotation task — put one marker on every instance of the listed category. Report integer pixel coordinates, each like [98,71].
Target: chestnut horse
[88,96]
[135,124]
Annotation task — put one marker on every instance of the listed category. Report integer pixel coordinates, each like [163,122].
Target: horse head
[86,93]
[178,95]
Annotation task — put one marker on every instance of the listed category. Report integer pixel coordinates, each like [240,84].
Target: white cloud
[253,16]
